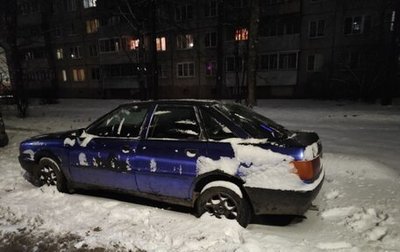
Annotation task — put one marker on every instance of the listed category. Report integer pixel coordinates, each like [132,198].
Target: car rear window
[256,125]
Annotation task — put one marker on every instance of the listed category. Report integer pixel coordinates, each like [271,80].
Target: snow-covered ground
[357,208]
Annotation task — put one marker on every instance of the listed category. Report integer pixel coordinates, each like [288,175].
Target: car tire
[220,201]
[49,173]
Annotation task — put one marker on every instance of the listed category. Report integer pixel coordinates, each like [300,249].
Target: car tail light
[307,170]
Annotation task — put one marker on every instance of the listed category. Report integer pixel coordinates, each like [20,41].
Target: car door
[166,159]
[104,154]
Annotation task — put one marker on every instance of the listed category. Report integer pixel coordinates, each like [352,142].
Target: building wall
[293,20]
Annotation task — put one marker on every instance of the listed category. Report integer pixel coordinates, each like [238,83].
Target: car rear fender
[204,179]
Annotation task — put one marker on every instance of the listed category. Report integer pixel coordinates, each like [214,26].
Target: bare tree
[9,26]
[252,52]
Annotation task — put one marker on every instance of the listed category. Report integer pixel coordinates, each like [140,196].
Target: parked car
[216,157]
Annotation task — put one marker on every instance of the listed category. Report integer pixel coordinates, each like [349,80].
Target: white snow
[226,184]
[86,138]
[82,159]
[258,167]
[358,203]
[68,141]
[31,154]
[311,151]
[153,165]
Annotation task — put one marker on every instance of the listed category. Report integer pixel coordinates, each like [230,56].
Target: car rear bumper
[281,202]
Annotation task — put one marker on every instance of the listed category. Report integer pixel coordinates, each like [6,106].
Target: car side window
[124,122]
[176,122]
[214,127]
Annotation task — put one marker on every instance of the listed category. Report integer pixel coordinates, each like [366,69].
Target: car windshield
[256,125]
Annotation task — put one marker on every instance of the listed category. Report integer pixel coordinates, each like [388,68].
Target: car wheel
[223,202]
[49,173]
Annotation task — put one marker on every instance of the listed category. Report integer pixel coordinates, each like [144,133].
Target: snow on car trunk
[258,167]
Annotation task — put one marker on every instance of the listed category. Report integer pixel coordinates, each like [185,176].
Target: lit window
[89,3]
[78,74]
[184,41]
[92,25]
[60,53]
[241,34]
[133,44]
[211,68]
[161,44]
[64,75]
[185,69]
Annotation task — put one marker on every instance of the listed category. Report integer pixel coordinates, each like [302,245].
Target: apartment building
[305,47]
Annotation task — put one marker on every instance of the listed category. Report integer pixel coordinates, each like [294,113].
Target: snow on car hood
[258,167]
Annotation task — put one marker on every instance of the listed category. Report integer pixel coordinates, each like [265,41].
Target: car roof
[173,101]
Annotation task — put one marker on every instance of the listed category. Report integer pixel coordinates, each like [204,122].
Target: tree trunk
[252,52]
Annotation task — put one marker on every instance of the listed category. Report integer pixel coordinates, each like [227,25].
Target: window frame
[198,120]
[183,76]
[317,29]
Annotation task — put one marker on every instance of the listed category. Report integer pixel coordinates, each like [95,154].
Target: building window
[92,25]
[241,34]
[64,75]
[57,31]
[317,29]
[92,50]
[184,41]
[211,8]
[70,5]
[78,74]
[72,30]
[134,44]
[210,39]
[161,44]
[314,63]
[287,61]
[352,59]
[231,64]
[109,45]
[185,69]
[95,73]
[89,3]
[240,3]
[211,68]
[268,62]
[184,12]
[75,52]
[162,71]
[357,25]
[60,53]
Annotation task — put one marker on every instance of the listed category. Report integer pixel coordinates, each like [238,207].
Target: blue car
[216,157]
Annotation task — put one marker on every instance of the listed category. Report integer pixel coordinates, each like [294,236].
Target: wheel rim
[222,204]
[47,175]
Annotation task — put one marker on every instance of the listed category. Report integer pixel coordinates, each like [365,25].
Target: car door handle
[191,152]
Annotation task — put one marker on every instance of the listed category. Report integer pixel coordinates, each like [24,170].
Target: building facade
[198,49]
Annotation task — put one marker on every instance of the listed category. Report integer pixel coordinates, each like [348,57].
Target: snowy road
[358,207]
